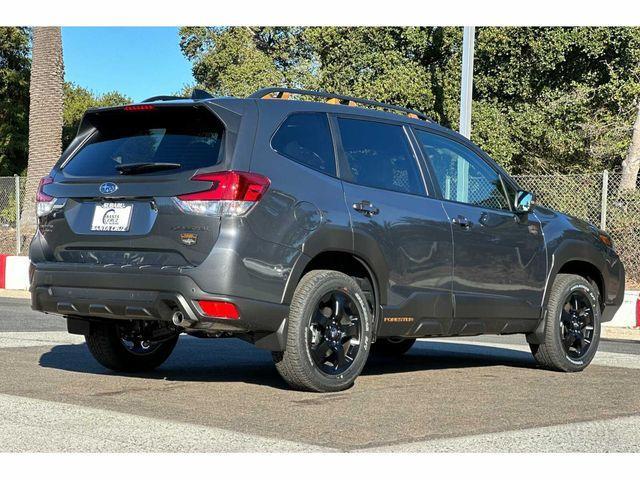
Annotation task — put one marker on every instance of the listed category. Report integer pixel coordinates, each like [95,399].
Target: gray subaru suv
[323,230]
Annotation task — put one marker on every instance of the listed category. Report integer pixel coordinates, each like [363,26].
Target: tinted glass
[379,156]
[462,175]
[511,192]
[187,137]
[306,138]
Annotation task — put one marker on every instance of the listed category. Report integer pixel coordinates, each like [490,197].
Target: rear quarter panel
[303,208]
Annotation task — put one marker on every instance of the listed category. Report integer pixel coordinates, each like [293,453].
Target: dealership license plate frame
[112,217]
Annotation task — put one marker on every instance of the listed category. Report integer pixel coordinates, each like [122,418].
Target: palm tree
[45,116]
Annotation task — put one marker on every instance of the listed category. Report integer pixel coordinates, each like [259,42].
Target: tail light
[231,193]
[216,309]
[44,202]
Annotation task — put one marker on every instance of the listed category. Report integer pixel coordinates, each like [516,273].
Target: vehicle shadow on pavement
[232,360]
[435,355]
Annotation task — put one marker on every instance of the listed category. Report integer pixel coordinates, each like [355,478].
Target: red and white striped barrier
[14,272]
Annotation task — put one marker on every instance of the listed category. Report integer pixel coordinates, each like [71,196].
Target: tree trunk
[631,164]
[46,96]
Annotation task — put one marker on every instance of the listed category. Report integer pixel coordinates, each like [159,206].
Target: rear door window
[306,139]
[379,155]
[189,137]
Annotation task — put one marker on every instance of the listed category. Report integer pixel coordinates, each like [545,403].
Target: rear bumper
[148,296]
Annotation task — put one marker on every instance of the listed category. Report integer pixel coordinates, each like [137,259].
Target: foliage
[77,100]
[14,99]
[7,208]
[556,99]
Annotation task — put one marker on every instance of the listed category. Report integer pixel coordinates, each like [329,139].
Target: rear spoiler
[197,94]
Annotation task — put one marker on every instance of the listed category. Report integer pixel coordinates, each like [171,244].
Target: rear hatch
[115,194]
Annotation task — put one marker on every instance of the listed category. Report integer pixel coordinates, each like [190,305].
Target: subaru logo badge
[108,188]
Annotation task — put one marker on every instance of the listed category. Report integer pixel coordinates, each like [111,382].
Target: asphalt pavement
[478,394]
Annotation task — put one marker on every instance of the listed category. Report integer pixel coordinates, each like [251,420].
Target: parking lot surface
[480,394]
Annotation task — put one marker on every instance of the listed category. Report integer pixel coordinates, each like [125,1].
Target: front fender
[581,248]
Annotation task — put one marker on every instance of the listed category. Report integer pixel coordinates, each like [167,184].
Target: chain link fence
[10,190]
[597,199]
[592,197]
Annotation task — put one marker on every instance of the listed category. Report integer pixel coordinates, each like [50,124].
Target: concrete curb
[15,293]
[620,333]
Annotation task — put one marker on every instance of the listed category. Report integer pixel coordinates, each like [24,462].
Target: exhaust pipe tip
[177,318]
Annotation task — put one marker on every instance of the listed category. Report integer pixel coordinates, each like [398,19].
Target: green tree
[567,95]
[76,102]
[227,60]
[14,99]
[545,99]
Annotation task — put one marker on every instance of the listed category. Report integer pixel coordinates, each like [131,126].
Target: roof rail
[334,98]
[197,94]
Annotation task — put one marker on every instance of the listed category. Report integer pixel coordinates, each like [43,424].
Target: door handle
[462,221]
[366,208]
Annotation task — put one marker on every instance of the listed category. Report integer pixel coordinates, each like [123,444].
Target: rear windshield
[189,137]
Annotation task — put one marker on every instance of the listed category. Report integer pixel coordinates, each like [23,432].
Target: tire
[392,346]
[105,344]
[317,330]
[562,327]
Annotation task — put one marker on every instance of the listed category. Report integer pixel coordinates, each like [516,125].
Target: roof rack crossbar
[265,92]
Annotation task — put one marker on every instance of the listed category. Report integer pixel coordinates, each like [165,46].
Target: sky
[137,61]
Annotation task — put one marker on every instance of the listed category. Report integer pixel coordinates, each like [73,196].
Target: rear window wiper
[144,167]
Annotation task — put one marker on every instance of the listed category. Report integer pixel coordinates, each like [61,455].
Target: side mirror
[525,201]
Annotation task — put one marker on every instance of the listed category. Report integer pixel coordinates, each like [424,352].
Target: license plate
[112,217]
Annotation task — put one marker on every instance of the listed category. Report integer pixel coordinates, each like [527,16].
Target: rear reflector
[231,193]
[216,309]
[638,311]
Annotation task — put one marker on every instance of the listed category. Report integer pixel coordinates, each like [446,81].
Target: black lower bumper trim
[80,294]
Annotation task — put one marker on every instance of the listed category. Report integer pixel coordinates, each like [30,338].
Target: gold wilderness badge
[189,239]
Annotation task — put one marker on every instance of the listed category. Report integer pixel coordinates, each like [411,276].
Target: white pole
[16,179]
[603,200]
[466,88]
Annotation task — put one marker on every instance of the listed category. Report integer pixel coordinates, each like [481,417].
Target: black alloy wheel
[576,325]
[334,333]
[135,342]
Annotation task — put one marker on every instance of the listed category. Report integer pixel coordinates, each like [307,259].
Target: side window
[379,155]
[462,175]
[306,138]
[511,192]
